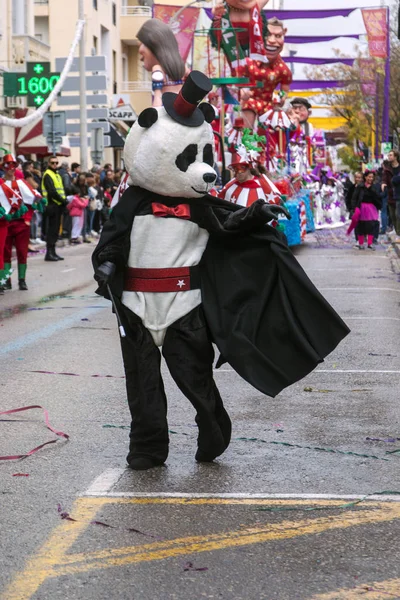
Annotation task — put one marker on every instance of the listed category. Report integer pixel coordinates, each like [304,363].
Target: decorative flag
[376,23]
[368,76]
[183,27]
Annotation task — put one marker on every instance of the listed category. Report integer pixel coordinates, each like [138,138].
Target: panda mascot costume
[185,270]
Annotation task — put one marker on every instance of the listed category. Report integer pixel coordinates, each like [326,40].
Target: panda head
[170,154]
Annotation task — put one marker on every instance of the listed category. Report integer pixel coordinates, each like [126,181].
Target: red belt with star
[181,279]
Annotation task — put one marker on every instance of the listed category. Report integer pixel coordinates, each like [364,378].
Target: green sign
[36,84]
[385,148]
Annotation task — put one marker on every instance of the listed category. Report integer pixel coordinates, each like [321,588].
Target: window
[114,13]
[95,4]
[95,45]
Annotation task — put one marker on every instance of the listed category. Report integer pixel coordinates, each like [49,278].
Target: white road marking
[244,496]
[104,482]
[358,268]
[67,270]
[342,256]
[323,371]
[350,371]
[372,318]
[359,289]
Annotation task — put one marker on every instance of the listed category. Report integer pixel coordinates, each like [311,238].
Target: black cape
[266,317]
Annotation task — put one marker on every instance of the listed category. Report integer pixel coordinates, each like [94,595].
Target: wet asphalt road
[200,531]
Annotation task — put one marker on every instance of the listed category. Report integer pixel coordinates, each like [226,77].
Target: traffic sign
[75,127]
[35,85]
[91,113]
[75,142]
[54,127]
[76,100]
[92,63]
[55,122]
[93,83]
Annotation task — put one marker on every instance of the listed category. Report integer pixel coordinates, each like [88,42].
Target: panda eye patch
[208,156]
[187,157]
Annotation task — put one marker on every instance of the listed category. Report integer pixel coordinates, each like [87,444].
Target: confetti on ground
[189,566]
[65,516]
[317,448]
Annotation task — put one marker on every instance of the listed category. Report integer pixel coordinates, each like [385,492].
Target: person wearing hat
[54,192]
[302,109]
[18,231]
[246,187]
[6,205]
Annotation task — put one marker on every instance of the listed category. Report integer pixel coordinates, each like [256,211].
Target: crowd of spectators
[86,206]
[377,196]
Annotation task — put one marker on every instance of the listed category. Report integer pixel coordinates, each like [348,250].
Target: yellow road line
[236,501]
[377,590]
[52,559]
[113,557]
[41,566]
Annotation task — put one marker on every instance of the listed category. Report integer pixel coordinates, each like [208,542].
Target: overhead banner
[318,84]
[376,24]
[183,27]
[368,76]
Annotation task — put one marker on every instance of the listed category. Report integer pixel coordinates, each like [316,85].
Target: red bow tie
[182,211]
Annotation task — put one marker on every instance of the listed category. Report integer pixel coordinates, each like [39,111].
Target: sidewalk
[48,279]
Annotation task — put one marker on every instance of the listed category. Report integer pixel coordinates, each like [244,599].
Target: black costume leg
[145,388]
[189,354]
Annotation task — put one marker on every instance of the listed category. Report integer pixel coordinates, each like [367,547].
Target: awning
[117,136]
[30,139]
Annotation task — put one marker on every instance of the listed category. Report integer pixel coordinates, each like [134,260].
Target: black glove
[105,272]
[272,211]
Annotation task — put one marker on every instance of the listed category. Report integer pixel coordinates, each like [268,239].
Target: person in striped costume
[248,185]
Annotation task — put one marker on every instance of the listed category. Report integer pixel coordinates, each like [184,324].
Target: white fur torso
[158,243]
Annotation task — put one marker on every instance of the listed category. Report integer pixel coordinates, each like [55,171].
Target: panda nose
[209,177]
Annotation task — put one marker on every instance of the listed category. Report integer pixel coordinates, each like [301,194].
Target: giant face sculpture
[275,39]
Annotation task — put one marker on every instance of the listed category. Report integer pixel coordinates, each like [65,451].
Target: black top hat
[183,107]
[302,101]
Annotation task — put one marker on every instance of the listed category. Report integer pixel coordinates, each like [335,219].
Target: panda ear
[148,117]
[208,111]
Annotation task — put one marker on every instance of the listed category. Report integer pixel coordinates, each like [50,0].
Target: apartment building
[18,46]
[44,29]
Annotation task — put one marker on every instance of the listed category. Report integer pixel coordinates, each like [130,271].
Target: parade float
[251,87]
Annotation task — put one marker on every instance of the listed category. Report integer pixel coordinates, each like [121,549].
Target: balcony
[41,8]
[28,49]
[139,94]
[132,18]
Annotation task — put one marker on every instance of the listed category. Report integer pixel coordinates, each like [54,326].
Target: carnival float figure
[238,29]
[301,151]
[270,75]
[159,54]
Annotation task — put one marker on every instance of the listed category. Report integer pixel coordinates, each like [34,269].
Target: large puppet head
[275,39]
[170,150]
[159,47]
[301,108]
[243,4]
